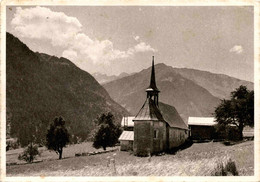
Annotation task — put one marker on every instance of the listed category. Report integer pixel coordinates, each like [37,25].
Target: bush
[29,153]
[227,169]
[219,170]
[231,167]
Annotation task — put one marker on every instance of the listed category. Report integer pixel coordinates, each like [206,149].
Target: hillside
[40,87]
[218,85]
[185,95]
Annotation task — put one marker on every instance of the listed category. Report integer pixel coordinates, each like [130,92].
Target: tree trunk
[104,147]
[240,128]
[60,153]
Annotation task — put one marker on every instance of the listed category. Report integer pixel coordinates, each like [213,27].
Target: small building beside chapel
[202,128]
[157,127]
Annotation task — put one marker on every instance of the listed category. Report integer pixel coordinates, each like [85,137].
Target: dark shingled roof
[171,116]
[149,111]
[167,113]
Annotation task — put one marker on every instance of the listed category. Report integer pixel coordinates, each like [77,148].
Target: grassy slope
[199,160]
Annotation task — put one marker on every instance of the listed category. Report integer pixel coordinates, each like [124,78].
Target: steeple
[152,90]
[152,81]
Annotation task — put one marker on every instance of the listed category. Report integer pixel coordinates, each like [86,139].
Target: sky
[116,39]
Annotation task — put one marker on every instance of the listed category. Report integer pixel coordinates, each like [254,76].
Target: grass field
[198,160]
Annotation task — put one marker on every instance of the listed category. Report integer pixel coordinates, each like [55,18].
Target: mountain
[103,78]
[40,87]
[189,98]
[218,85]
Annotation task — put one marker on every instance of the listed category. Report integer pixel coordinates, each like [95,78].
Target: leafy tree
[238,111]
[29,153]
[57,136]
[107,132]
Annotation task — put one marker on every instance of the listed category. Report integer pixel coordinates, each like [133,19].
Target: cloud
[42,23]
[238,49]
[66,32]
[137,38]
[143,47]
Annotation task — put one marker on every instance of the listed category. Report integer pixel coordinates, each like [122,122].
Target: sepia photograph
[129,90]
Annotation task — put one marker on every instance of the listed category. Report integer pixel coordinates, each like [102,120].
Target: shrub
[227,169]
[29,153]
[219,170]
[231,167]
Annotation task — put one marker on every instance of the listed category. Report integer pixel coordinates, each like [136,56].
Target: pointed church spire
[152,80]
[152,90]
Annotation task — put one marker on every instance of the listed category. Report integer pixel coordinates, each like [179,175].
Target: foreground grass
[198,160]
[68,152]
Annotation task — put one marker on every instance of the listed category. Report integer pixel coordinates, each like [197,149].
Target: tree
[57,136]
[238,111]
[29,153]
[107,132]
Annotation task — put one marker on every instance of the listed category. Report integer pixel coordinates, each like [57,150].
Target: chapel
[157,127]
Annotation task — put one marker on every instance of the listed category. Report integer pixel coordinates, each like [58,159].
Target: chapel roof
[149,111]
[172,117]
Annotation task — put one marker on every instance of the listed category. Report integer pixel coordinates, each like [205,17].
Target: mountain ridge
[189,95]
[40,87]
[174,91]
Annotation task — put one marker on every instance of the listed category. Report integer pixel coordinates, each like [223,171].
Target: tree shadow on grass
[230,142]
[20,164]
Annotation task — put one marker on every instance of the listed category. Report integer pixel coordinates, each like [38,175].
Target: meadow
[198,160]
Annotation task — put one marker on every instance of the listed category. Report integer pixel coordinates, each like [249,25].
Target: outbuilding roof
[127,121]
[203,121]
[127,135]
